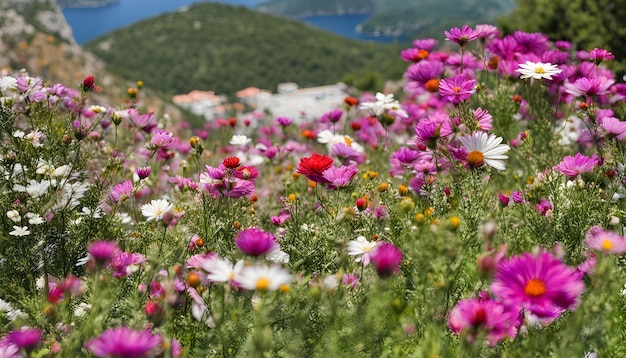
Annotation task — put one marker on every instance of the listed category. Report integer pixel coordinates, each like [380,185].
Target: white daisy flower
[537,70]
[278,256]
[382,104]
[240,140]
[20,231]
[34,219]
[221,269]
[97,109]
[485,149]
[264,278]
[14,215]
[8,84]
[361,248]
[11,313]
[35,138]
[327,137]
[155,209]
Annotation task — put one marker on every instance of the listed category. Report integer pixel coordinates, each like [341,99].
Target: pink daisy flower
[457,89]
[477,316]
[126,263]
[536,42]
[386,258]
[413,55]
[256,242]
[25,338]
[585,86]
[614,127]
[598,55]
[486,31]
[162,140]
[543,206]
[425,44]
[125,342]
[578,164]
[339,177]
[483,118]
[605,241]
[101,252]
[540,283]
[121,192]
[461,36]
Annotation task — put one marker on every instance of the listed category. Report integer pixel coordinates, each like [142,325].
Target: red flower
[231,162]
[350,101]
[314,167]
[308,134]
[88,83]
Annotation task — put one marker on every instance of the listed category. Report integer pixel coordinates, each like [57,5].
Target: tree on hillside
[586,23]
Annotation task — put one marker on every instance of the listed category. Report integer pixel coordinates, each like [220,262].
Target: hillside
[217,47]
[424,18]
[35,36]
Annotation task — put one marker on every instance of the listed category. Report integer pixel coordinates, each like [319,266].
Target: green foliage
[225,49]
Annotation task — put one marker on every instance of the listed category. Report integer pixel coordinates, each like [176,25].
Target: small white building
[202,103]
[300,104]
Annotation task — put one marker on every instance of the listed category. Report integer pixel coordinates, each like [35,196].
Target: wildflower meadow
[477,211]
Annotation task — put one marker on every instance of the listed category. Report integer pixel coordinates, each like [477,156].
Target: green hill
[217,47]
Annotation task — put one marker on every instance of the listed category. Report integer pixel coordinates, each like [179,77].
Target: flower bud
[88,84]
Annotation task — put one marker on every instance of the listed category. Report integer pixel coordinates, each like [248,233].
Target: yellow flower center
[607,245]
[283,288]
[475,158]
[535,288]
[456,89]
[262,284]
[348,141]
[539,70]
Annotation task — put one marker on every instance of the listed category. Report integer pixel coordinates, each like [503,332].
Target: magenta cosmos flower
[461,36]
[594,86]
[256,242]
[121,192]
[598,55]
[386,258]
[614,127]
[477,317]
[543,206]
[578,164]
[457,89]
[162,140]
[102,252]
[339,177]
[541,284]
[124,342]
[607,242]
[25,338]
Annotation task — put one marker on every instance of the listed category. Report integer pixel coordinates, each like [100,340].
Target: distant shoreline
[87,4]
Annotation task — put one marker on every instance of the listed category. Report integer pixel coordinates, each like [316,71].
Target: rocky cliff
[35,36]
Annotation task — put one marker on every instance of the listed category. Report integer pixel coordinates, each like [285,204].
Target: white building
[203,103]
[296,103]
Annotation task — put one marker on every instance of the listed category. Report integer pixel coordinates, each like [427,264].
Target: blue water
[89,23]
[344,25]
